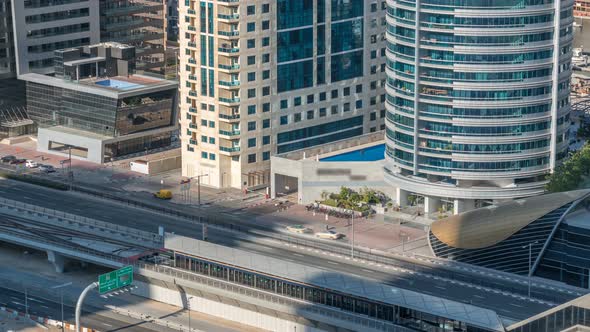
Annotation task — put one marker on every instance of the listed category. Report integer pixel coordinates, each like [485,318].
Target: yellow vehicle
[163,194]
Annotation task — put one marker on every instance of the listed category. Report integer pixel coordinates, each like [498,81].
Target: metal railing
[67,220]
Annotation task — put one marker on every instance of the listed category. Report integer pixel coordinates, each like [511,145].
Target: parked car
[7,159]
[299,229]
[17,161]
[31,164]
[163,194]
[330,235]
[46,168]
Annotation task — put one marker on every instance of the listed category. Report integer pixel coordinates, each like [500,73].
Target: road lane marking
[441,287]
[298,255]
[479,296]
[333,263]
[368,270]
[516,305]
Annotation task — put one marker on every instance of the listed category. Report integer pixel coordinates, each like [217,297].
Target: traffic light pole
[81,300]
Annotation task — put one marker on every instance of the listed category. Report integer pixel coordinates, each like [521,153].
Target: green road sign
[115,279]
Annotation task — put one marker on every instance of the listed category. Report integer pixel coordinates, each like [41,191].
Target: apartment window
[251,27]
[204,139]
[251,43]
[251,109]
[346,107]
[359,104]
[322,96]
[266,90]
[265,155]
[310,115]
[284,120]
[204,155]
[372,116]
[322,112]
[284,104]
[346,91]
[382,114]
[310,99]
[265,58]
[251,93]
[266,107]
[373,54]
[265,25]
[265,41]
[266,140]
[211,124]
[251,158]
[251,125]
[373,129]
[334,94]
[265,74]
[251,10]
[204,123]
[359,88]
[265,8]
[211,140]
[297,101]
[297,117]
[251,76]
[211,156]
[251,60]
[211,108]
[266,123]
[251,142]
[334,109]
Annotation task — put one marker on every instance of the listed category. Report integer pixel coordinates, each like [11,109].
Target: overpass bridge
[67,236]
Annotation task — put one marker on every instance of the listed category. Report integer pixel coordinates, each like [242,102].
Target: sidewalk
[10,322]
[33,271]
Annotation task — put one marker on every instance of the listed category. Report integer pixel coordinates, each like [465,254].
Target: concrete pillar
[58,261]
[463,205]
[402,197]
[431,204]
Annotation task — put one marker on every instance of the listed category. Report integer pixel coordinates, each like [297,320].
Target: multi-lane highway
[515,307]
[43,307]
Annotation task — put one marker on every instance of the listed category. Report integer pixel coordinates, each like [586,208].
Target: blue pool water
[116,84]
[372,153]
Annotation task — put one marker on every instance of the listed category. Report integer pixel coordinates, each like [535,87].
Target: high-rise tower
[477,98]
[261,77]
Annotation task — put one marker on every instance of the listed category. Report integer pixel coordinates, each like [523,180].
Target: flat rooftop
[113,87]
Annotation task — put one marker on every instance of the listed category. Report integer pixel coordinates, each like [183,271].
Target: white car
[31,164]
[299,229]
[330,235]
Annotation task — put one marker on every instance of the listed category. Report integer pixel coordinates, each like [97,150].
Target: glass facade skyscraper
[477,98]
[260,78]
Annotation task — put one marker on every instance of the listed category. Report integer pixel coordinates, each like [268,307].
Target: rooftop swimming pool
[120,85]
[372,153]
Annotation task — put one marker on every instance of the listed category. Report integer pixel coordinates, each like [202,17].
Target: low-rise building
[97,109]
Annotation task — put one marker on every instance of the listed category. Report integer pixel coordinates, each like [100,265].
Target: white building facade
[260,77]
[477,98]
[42,26]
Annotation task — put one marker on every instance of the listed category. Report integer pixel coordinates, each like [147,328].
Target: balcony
[229,67]
[192,44]
[229,151]
[192,93]
[229,117]
[192,60]
[193,141]
[229,100]
[234,49]
[193,110]
[235,33]
[230,83]
[192,28]
[234,16]
[230,134]
[192,125]
[192,77]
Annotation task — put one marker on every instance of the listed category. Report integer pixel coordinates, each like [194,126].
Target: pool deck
[347,150]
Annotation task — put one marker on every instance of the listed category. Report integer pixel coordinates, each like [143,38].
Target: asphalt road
[46,308]
[508,306]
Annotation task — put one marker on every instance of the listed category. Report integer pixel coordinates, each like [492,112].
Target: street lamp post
[352,239]
[61,295]
[199,188]
[188,306]
[530,245]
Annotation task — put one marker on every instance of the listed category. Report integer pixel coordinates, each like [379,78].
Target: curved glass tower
[477,98]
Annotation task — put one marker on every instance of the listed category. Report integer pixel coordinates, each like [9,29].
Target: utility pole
[530,245]
[199,187]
